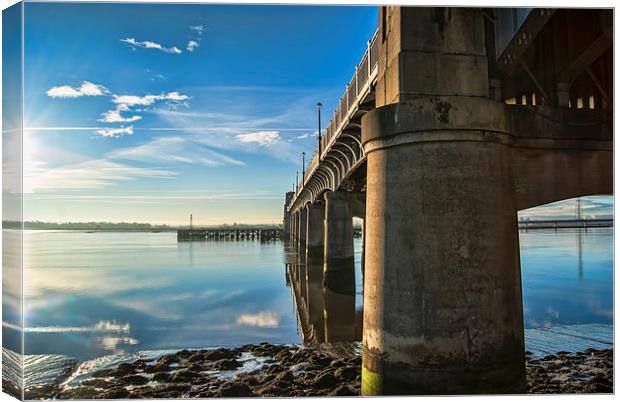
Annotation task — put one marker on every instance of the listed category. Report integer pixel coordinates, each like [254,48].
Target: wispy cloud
[591,207]
[91,174]
[261,137]
[147,44]
[174,150]
[199,29]
[177,196]
[146,100]
[115,132]
[85,89]
[191,45]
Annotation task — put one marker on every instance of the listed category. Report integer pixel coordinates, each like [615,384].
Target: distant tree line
[38,225]
[118,226]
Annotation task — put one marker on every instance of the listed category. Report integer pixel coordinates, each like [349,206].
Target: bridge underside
[459,140]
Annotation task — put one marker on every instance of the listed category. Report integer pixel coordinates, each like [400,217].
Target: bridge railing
[363,72]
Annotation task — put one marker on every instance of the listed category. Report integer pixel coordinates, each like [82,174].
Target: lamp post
[303,168]
[318,108]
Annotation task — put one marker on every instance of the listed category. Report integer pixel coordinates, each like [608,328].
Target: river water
[104,293]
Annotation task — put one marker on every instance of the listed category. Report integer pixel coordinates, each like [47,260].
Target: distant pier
[566,224]
[263,234]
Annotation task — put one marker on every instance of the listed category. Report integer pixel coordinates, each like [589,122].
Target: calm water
[93,294]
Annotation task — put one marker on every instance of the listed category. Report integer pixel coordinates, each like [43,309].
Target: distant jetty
[230,233]
[566,224]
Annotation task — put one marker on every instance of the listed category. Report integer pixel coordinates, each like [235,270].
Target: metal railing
[348,104]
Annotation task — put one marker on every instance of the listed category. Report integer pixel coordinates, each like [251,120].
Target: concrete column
[338,249]
[443,311]
[363,259]
[303,230]
[338,227]
[297,223]
[315,232]
[290,230]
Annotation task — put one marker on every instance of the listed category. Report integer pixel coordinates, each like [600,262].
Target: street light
[303,168]
[318,107]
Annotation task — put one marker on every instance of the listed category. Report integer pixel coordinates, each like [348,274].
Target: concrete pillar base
[315,230]
[443,310]
[381,377]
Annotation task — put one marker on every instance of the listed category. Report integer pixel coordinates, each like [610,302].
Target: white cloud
[174,150]
[85,89]
[146,100]
[147,44]
[191,45]
[261,319]
[199,29]
[115,132]
[114,116]
[174,96]
[260,137]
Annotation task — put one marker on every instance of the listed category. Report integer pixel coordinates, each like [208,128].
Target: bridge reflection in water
[326,310]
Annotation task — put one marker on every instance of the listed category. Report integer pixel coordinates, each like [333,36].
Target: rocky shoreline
[267,370]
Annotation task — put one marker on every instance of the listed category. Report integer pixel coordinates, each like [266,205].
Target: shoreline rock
[267,370]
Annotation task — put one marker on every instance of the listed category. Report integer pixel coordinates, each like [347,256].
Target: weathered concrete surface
[286,223]
[303,230]
[338,227]
[442,282]
[295,227]
[315,229]
[442,295]
[430,51]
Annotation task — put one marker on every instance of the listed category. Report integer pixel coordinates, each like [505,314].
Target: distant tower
[579,208]
[190,221]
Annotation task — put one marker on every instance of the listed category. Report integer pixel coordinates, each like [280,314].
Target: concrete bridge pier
[303,230]
[294,226]
[442,286]
[315,230]
[338,247]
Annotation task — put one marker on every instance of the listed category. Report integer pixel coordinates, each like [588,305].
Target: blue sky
[150,112]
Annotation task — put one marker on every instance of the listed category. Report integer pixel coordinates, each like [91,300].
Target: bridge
[455,119]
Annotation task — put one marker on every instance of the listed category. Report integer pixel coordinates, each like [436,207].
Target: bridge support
[338,227]
[442,286]
[303,230]
[315,229]
[338,249]
[295,226]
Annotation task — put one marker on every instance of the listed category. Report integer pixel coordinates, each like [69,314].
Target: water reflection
[567,276]
[325,300]
[94,294]
[163,294]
